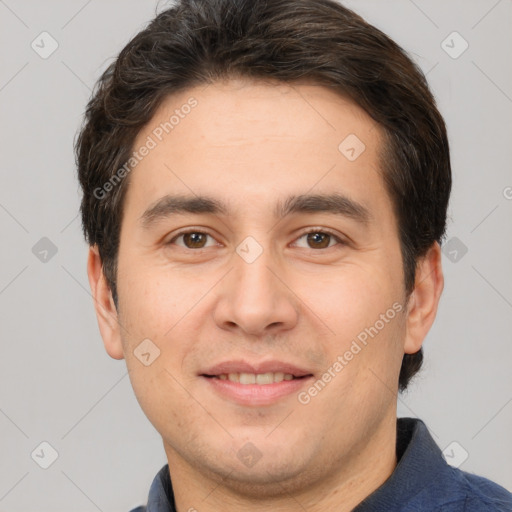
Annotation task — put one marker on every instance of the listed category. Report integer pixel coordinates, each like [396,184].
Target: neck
[355,478]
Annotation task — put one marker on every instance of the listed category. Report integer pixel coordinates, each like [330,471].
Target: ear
[106,312]
[422,307]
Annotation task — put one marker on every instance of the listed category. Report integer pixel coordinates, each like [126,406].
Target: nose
[256,299]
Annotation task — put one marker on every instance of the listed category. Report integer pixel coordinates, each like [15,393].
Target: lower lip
[256,394]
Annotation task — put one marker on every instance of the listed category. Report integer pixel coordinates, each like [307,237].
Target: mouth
[259,379]
[255,384]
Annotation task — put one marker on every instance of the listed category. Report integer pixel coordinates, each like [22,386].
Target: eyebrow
[335,203]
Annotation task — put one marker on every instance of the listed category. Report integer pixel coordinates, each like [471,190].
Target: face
[274,322]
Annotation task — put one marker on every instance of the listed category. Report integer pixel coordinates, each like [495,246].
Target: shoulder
[424,481]
[478,494]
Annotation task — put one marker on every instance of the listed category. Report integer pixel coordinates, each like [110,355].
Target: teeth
[247,378]
[263,378]
[260,378]
[279,377]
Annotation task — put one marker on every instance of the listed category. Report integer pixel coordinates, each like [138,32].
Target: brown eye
[191,239]
[194,240]
[320,240]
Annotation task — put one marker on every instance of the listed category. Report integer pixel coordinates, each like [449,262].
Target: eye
[192,239]
[320,239]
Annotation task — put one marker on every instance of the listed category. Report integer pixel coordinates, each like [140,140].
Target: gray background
[58,384]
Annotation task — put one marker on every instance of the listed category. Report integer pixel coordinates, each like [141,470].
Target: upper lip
[241,366]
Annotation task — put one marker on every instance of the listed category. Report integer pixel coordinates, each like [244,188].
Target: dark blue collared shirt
[421,482]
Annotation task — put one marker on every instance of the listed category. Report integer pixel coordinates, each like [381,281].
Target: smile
[255,378]
[256,389]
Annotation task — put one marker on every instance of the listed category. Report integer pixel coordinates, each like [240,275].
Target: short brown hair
[201,41]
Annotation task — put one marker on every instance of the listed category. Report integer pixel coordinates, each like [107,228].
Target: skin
[251,144]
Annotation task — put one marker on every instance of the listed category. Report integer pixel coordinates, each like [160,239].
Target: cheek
[159,313]
[363,311]
[153,299]
[349,299]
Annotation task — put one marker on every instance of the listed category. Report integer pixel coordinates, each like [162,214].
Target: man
[265,193]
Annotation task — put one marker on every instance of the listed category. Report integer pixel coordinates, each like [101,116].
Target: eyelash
[312,230]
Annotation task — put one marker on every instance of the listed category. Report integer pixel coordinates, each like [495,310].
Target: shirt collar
[161,496]
[420,466]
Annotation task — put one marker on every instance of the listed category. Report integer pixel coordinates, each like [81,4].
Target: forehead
[246,111]
[246,141]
